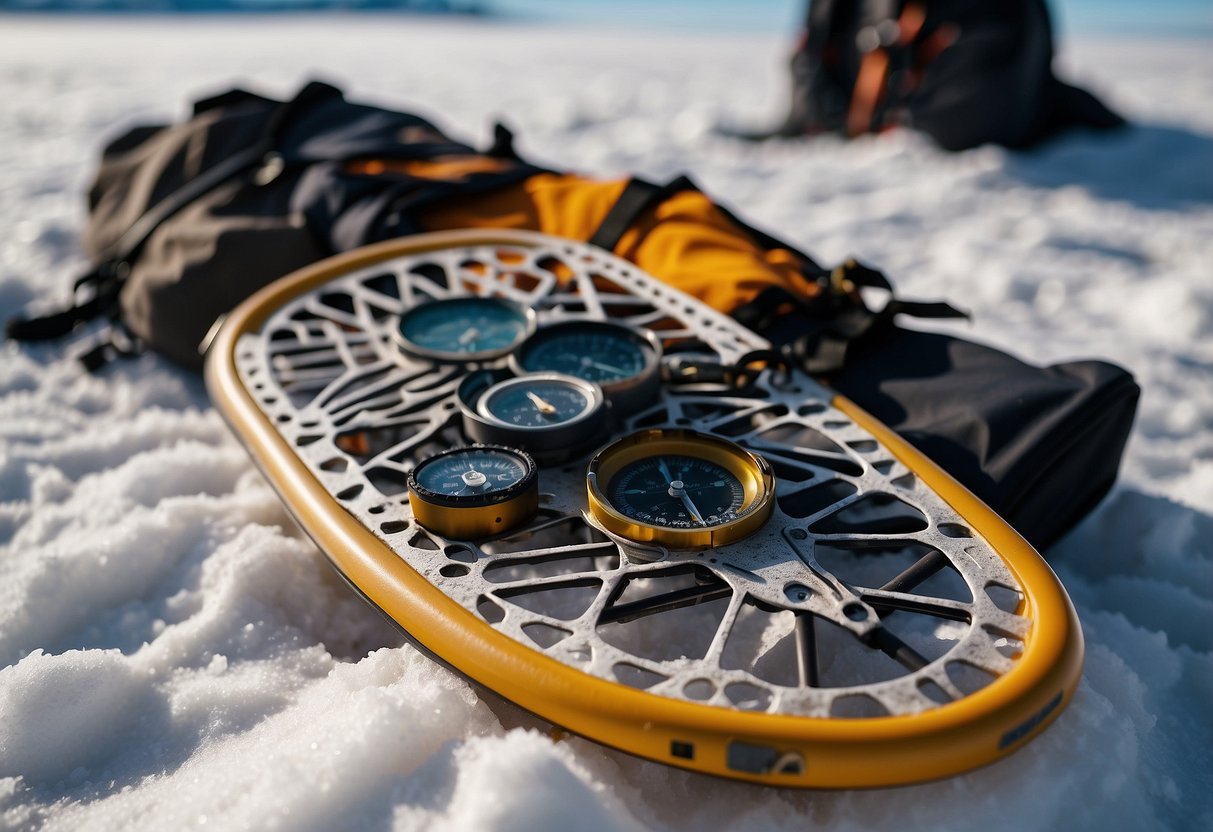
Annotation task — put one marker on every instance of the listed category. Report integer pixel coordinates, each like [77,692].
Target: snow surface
[176,654]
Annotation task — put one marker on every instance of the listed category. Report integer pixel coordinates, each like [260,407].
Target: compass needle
[607,368]
[545,407]
[686,501]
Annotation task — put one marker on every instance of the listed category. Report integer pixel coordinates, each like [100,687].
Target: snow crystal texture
[175,654]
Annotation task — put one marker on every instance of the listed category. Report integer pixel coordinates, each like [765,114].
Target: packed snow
[176,654]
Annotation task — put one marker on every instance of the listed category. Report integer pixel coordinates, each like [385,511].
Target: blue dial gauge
[623,360]
[472,492]
[474,472]
[536,402]
[464,329]
[550,415]
[594,351]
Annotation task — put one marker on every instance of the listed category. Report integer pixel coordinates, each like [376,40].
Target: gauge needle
[686,501]
[665,471]
[678,489]
[607,368]
[545,407]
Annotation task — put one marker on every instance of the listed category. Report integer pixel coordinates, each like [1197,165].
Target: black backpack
[187,220]
[965,72]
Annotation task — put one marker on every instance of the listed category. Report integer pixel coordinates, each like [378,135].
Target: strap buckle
[739,375]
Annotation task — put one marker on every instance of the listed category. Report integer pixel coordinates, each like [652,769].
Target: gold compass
[679,488]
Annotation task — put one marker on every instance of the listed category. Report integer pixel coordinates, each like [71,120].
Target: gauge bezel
[476,516]
[625,395]
[752,471]
[547,444]
[465,500]
[416,350]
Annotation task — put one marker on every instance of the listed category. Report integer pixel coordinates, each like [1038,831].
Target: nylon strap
[637,197]
[58,324]
[831,323]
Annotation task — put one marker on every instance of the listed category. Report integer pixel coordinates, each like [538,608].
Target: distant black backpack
[965,72]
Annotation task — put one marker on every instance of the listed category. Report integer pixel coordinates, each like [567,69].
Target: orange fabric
[442,167]
[869,85]
[685,241]
[913,16]
[874,69]
[932,46]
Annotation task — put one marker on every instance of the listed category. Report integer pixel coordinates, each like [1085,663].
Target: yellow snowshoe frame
[808,749]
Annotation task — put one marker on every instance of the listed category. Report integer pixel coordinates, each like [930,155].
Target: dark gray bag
[187,220]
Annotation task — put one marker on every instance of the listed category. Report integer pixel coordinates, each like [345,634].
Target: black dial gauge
[551,415]
[623,360]
[471,492]
[464,329]
[679,488]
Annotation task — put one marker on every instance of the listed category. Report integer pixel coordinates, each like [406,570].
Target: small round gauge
[623,360]
[679,488]
[551,415]
[464,329]
[472,492]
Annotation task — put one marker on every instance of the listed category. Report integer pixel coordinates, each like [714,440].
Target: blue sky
[1174,17]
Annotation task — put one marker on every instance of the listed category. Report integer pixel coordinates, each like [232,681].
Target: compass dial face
[464,329]
[535,403]
[472,472]
[600,352]
[593,356]
[682,492]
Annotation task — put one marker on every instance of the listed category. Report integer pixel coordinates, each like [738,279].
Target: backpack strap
[103,283]
[637,197]
[822,332]
[824,327]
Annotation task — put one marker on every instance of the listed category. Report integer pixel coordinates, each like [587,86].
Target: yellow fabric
[685,241]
